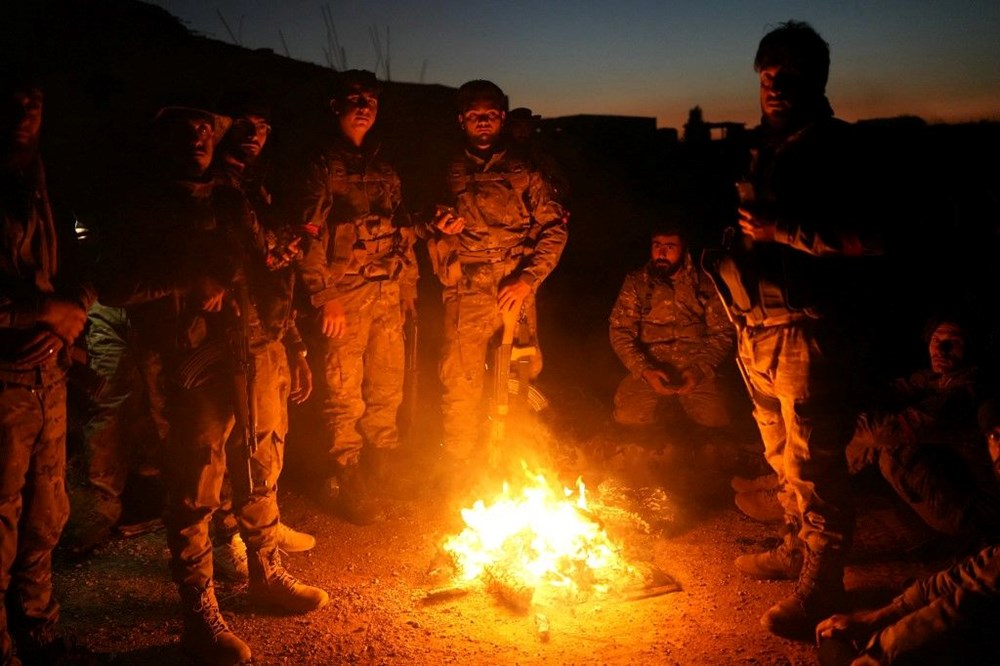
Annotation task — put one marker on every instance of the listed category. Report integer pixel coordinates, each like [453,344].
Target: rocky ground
[120,603]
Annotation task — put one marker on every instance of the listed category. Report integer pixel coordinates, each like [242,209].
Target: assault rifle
[244,377]
[411,380]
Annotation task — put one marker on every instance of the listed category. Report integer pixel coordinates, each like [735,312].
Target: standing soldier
[194,279]
[360,276]
[492,247]
[801,209]
[239,164]
[42,312]
[670,330]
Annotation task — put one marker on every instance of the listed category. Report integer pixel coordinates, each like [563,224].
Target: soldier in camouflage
[194,246]
[949,617]
[359,274]
[43,310]
[670,330]
[492,246]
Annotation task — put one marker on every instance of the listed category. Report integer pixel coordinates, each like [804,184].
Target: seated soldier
[670,331]
[923,438]
[949,617]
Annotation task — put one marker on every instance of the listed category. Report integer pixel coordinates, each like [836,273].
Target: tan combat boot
[272,585]
[293,541]
[206,638]
[781,563]
[818,594]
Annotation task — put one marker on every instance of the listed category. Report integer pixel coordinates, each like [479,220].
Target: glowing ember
[540,538]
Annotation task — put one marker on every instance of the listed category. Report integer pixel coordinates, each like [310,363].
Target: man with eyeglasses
[359,275]
[497,239]
[192,272]
[239,162]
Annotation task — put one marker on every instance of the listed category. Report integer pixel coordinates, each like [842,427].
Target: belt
[490,255]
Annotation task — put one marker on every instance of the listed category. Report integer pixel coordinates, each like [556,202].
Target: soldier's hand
[511,295]
[448,223]
[690,378]
[210,294]
[659,381]
[64,317]
[757,227]
[302,379]
[333,319]
[857,626]
[45,344]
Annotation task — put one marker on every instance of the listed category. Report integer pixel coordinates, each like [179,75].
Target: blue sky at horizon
[937,60]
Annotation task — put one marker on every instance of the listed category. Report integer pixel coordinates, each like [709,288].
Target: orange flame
[540,537]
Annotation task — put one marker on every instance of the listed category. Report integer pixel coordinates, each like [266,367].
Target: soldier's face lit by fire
[482,123]
[357,112]
[947,348]
[21,117]
[249,134]
[782,90]
[188,143]
[667,252]
[993,441]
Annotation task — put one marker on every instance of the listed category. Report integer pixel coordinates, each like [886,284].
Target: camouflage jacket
[37,258]
[180,232]
[353,205]
[810,184]
[511,214]
[679,321]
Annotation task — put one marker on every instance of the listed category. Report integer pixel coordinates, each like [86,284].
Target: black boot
[818,593]
[206,638]
[347,494]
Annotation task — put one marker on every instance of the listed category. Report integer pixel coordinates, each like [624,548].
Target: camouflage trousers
[636,403]
[272,426]
[951,492]
[950,617]
[203,448]
[801,405]
[113,428]
[33,506]
[472,324]
[363,372]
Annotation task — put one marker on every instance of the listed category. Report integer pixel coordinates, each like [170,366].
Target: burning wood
[446,593]
[508,588]
[542,625]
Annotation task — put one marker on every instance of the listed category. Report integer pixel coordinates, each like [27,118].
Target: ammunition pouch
[445,260]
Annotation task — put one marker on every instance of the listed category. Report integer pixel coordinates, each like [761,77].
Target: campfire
[540,543]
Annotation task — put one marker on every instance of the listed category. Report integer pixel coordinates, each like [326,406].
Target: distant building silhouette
[697,130]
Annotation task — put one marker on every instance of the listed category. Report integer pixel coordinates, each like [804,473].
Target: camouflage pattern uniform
[791,350]
[670,324]
[363,256]
[184,230]
[949,617]
[514,229]
[34,262]
[927,445]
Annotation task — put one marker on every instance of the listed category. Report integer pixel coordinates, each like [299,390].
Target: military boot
[272,585]
[818,593]
[348,495]
[781,563]
[294,541]
[206,638]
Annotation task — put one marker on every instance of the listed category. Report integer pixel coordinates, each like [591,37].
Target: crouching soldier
[193,276]
[670,331]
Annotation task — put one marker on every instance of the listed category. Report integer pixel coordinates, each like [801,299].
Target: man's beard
[664,269]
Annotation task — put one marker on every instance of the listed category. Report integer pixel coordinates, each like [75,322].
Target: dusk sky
[936,59]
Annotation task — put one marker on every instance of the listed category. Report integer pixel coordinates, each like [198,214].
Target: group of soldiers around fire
[221,299]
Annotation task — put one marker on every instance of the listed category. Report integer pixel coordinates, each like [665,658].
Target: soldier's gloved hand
[659,381]
[512,294]
[690,378]
[447,222]
[333,319]
[63,316]
[210,294]
[43,345]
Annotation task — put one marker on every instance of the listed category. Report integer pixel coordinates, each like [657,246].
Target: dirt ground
[120,603]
